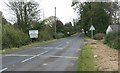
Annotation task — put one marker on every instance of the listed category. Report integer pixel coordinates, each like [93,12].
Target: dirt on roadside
[106,58]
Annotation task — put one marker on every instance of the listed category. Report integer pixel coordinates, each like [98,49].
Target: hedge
[13,37]
[113,40]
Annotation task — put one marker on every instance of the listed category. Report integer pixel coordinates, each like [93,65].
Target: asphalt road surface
[60,55]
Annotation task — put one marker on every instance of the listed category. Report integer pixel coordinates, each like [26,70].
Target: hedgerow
[13,37]
[113,40]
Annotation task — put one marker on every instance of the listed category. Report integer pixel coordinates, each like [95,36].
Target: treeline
[98,14]
[14,37]
[27,16]
[113,40]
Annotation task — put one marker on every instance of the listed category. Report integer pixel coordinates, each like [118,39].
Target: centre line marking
[60,45]
[67,42]
[3,70]
[45,64]
[34,56]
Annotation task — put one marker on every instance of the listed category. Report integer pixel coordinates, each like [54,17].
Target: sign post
[33,33]
[92,28]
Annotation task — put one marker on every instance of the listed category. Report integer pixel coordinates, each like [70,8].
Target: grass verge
[25,47]
[86,61]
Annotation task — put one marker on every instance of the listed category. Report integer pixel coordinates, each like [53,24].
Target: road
[60,55]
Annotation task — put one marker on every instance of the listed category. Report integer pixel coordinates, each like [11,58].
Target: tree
[115,11]
[50,21]
[26,13]
[68,29]
[94,13]
[59,26]
[4,21]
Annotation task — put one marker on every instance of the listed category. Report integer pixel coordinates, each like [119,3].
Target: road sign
[33,33]
[68,32]
[92,28]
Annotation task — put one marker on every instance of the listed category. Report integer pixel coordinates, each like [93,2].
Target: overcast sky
[63,8]
[64,11]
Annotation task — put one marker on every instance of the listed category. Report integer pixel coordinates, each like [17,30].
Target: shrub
[44,35]
[113,40]
[59,35]
[99,36]
[13,37]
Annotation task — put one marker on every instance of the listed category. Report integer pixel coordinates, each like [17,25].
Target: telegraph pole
[43,15]
[55,20]
[0,17]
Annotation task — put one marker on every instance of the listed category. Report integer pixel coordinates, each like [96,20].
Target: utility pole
[0,18]
[43,15]
[0,34]
[55,20]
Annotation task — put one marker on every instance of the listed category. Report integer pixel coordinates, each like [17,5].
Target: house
[113,28]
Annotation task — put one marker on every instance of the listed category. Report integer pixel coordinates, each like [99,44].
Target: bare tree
[26,13]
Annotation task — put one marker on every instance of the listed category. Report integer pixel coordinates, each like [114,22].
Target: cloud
[64,11]
[63,8]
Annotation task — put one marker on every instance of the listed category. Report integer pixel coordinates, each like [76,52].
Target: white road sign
[33,33]
[92,27]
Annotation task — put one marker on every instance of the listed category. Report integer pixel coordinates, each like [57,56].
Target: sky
[64,11]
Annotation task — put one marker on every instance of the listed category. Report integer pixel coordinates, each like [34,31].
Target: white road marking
[42,53]
[49,47]
[3,70]
[18,55]
[68,42]
[65,57]
[37,47]
[45,64]
[52,48]
[60,45]
[34,56]
[58,48]
[78,49]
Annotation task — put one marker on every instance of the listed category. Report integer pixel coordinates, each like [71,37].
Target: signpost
[92,28]
[33,33]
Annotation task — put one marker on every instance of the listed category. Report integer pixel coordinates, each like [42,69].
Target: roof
[115,27]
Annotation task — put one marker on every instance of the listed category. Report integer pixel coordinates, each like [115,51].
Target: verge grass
[85,61]
[35,44]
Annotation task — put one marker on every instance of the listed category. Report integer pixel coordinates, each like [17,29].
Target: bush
[44,35]
[59,35]
[113,40]
[12,37]
[99,36]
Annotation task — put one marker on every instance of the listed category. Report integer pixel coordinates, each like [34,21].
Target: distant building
[113,28]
